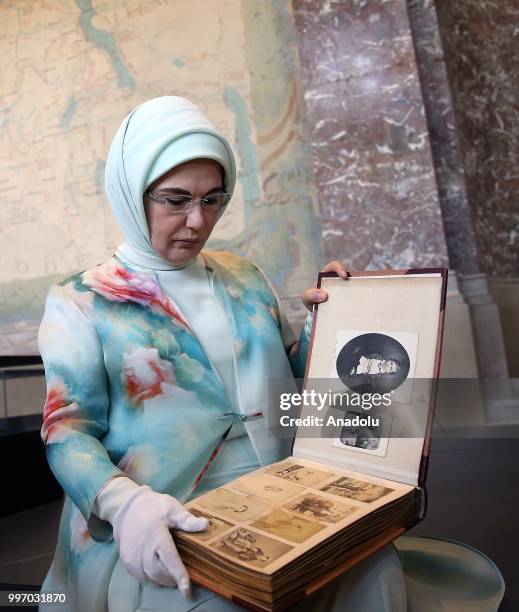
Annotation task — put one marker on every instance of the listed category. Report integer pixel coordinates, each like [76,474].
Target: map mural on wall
[71,70]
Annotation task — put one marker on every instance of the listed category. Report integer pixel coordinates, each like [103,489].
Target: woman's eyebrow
[179,191]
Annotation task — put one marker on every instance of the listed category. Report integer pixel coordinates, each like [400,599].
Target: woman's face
[178,238]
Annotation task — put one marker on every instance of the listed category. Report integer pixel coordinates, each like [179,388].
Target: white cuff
[112,496]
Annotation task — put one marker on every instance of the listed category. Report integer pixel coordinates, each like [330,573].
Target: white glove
[146,548]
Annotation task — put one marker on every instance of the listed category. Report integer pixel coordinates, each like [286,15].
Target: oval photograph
[373,363]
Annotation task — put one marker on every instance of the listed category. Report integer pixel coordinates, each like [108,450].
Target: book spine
[422,502]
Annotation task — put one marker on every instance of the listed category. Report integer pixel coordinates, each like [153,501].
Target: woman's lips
[187,243]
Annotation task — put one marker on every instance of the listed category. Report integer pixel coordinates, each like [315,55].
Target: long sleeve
[75,413]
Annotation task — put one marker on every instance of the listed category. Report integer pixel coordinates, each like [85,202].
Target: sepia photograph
[375,362]
[356,489]
[300,474]
[271,489]
[216,526]
[321,508]
[235,506]
[251,547]
[370,438]
[285,525]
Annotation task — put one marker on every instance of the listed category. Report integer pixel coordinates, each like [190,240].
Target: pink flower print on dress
[116,283]
[144,374]
[58,410]
[56,399]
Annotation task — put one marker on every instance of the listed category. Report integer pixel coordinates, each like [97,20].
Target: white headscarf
[155,137]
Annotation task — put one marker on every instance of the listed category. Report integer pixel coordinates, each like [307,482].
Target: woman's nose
[195,217]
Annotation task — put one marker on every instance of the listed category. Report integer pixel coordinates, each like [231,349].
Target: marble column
[371,154]
[448,162]
[375,176]
[459,210]
[479,38]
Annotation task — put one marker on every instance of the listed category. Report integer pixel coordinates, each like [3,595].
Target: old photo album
[282,532]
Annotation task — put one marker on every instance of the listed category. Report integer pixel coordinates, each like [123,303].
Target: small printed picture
[251,547]
[376,362]
[300,474]
[285,525]
[235,506]
[266,487]
[216,525]
[356,489]
[321,508]
[369,436]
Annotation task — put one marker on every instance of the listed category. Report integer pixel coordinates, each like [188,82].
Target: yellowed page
[265,519]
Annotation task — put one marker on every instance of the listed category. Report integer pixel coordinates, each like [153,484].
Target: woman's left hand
[316,296]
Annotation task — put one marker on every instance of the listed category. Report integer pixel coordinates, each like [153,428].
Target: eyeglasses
[182,204]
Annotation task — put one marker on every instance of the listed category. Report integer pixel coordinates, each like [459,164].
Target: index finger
[168,554]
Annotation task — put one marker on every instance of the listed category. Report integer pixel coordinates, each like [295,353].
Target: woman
[156,364]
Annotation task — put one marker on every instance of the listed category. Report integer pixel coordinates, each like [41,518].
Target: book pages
[267,518]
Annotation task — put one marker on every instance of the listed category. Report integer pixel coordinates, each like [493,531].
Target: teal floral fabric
[130,391]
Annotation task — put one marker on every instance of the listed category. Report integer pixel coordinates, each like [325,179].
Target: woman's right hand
[146,548]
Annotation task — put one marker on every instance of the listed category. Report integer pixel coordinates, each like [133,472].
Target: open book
[352,484]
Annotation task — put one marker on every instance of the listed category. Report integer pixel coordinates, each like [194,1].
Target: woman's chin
[181,256]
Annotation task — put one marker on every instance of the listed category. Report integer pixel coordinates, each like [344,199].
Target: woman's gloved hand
[146,548]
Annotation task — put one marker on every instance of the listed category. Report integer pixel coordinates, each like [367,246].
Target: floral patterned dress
[130,391]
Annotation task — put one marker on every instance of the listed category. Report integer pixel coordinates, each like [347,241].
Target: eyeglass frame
[190,202]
